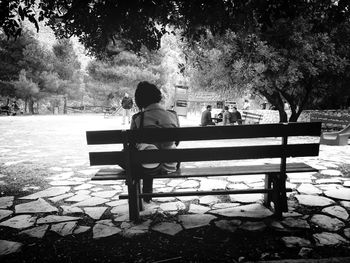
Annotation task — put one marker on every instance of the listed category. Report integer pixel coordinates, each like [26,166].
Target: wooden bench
[251,118]
[110,111]
[329,121]
[275,174]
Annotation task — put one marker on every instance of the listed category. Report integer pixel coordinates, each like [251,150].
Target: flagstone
[143,226]
[104,229]
[64,182]
[84,186]
[78,198]
[120,209]
[81,229]
[89,172]
[175,182]
[329,239]
[295,223]
[95,212]
[163,189]
[253,226]
[105,194]
[189,184]
[117,202]
[228,225]
[5,213]
[6,201]
[336,211]
[92,201]
[96,189]
[64,229]
[38,206]
[121,218]
[168,228]
[187,198]
[19,222]
[50,192]
[342,194]
[224,205]
[129,233]
[118,188]
[312,200]
[195,221]
[328,181]
[309,189]
[56,219]
[292,241]
[326,187]
[327,223]
[346,183]
[277,226]
[345,204]
[173,206]
[70,210]
[198,209]
[246,178]
[60,197]
[209,200]
[347,232]
[37,232]
[291,214]
[212,184]
[106,182]
[237,186]
[9,247]
[246,198]
[331,172]
[30,188]
[248,211]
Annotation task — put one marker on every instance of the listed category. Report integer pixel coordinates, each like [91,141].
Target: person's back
[235,116]
[206,117]
[226,117]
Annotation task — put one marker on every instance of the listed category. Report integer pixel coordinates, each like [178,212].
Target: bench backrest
[130,137]
[250,116]
[335,121]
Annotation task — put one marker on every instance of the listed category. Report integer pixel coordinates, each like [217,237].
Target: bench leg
[280,198]
[267,196]
[147,187]
[134,201]
[140,198]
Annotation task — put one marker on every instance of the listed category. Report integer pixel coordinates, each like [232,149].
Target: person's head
[209,107]
[126,94]
[226,107]
[146,94]
[234,109]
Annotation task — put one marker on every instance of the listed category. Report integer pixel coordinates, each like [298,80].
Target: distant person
[206,119]
[226,117]
[236,116]
[153,115]
[127,104]
[246,104]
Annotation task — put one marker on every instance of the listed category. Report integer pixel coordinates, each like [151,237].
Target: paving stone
[83,187]
[106,182]
[120,209]
[88,172]
[328,181]
[105,194]
[5,213]
[342,194]
[64,182]
[195,221]
[129,233]
[327,223]
[189,184]
[83,192]
[295,223]
[164,199]
[167,228]
[104,228]
[211,184]
[92,201]
[175,182]
[6,201]
[30,188]
[345,204]
[309,189]
[292,241]
[248,211]
[143,226]
[246,198]
[312,200]
[117,202]
[224,205]
[173,206]
[347,232]
[95,212]
[149,209]
[121,218]
[60,197]
[291,214]
[38,206]
[237,186]
[187,198]
[20,222]
[53,191]
[346,183]
[64,229]
[209,200]
[326,187]
[198,209]
[228,225]
[246,178]
[331,172]
[37,232]
[329,239]
[70,210]
[253,226]
[164,189]
[277,226]
[118,188]
[56,219]
[9,247]
[78,198]
[81,229]
[336,211]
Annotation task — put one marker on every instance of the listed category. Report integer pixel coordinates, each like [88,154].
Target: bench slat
[118,174]
[104,137]
[106,158]
[201,193]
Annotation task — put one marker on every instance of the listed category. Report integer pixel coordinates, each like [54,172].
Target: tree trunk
[31,106]
[65,105]
[25,105]
[283,115]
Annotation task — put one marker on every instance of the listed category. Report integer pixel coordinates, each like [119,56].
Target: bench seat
[251,118]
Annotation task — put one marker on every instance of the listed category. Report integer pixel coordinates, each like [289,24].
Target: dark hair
[209,106]
[234,108]
[146,94]
[226,107]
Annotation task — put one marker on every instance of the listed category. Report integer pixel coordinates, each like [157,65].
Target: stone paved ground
[45,188]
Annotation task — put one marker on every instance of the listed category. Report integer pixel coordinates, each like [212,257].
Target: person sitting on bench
[206,119]
[153,115]
[235,116]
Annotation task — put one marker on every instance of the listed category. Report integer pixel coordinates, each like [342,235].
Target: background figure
[246,105]
[235,116]
[153,115]
[127,104]
[206,117]
[226,116]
